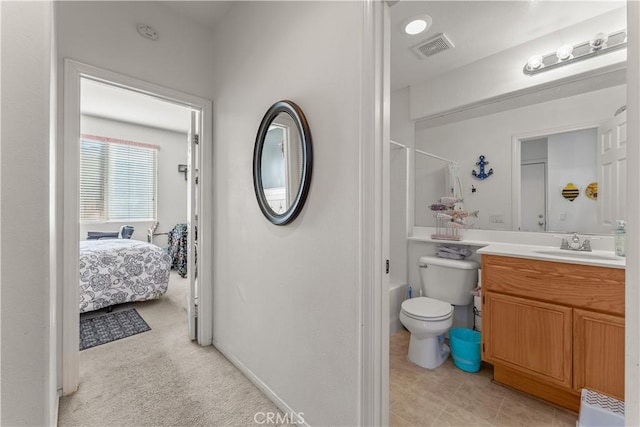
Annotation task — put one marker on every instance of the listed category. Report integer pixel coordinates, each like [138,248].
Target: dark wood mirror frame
[302,126]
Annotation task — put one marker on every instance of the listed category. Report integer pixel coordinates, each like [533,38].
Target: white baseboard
[262,386]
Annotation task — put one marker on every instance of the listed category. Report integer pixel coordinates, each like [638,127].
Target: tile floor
[448,396]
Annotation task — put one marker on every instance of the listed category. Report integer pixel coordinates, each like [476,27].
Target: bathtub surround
[398,292]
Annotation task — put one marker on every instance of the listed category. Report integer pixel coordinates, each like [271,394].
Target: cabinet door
[528,336]
[599,352]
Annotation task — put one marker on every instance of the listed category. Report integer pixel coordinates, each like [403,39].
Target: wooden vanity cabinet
[552,328]
[598,352]
[530,336]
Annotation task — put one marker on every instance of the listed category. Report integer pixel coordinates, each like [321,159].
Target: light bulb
[415,27]
[564,52]
[417,24]
[534,62]
[599,41]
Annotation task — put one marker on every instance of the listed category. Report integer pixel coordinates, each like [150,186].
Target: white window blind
[118,180]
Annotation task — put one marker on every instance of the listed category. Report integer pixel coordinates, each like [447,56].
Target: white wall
[104,34]
[492,135]
[286,299]
[27,394]
[172,187]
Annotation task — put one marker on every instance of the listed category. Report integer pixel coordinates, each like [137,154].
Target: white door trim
[73,72]
[632,276]
[374,208]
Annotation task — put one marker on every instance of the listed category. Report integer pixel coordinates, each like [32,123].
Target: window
[118,180]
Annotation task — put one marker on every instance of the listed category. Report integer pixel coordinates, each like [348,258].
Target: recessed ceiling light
[417,25]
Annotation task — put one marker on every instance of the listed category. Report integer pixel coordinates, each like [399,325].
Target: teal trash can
[465,348]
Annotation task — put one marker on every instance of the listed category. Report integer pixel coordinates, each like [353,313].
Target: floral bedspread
[115,271]
[178,248]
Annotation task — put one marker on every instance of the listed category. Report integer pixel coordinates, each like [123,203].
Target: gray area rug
[110,327]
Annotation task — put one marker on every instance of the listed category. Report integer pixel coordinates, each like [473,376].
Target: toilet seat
[426,309]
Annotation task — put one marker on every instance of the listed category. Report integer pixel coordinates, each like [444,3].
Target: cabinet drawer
[575,285]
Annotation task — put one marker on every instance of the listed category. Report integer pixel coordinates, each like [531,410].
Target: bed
[116,271]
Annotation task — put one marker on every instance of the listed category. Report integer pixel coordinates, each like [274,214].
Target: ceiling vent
[434,45]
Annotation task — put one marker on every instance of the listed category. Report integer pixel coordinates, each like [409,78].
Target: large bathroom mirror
[580,108]
[583,145]
[282,162]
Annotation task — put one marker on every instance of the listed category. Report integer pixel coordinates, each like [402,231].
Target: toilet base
[428,352]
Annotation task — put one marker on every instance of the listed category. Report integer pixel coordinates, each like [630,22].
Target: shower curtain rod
[423,152]
[436,157]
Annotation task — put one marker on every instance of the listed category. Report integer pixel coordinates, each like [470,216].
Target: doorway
[534,208]
[199,160]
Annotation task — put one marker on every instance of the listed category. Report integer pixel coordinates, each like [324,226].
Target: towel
[452,252]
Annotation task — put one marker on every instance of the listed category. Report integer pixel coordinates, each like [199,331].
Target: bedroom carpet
[110,327]
[161,378]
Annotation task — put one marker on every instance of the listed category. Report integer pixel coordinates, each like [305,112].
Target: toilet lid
[426,307]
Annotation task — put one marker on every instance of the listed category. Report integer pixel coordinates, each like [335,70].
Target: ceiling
[114,103]
[103,100]
[479,29]
[206,13]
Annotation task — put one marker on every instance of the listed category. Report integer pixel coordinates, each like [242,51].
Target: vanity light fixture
[534,62]
[600,44]
[417,25]
[564,52]
[599,41]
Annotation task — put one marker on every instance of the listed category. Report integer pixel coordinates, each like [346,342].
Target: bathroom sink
[578,254]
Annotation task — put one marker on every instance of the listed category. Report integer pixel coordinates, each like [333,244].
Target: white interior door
[533,196]
[612,170]
[192,222]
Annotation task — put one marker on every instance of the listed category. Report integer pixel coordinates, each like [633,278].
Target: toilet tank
[448,280]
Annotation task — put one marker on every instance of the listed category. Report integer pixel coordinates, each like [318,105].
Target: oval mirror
[282,161]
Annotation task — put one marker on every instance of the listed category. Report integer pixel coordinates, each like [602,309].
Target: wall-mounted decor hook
[473,189]
[183,169]
[482,174]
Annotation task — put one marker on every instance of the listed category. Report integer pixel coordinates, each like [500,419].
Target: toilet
[445,283]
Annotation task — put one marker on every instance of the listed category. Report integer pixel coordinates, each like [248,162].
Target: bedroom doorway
[121,178]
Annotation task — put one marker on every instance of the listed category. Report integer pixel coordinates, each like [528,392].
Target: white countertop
[550,253]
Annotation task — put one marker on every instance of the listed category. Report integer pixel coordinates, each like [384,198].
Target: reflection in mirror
[499,135]
[547,165]
[439,177]
[281,163]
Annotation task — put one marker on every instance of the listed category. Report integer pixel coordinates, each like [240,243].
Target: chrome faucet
[575,245]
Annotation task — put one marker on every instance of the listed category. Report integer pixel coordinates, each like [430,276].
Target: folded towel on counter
[452,252]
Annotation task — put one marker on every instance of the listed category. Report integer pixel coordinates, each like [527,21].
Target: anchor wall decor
[482,174]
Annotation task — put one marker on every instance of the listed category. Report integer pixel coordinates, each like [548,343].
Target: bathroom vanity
[552,324]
